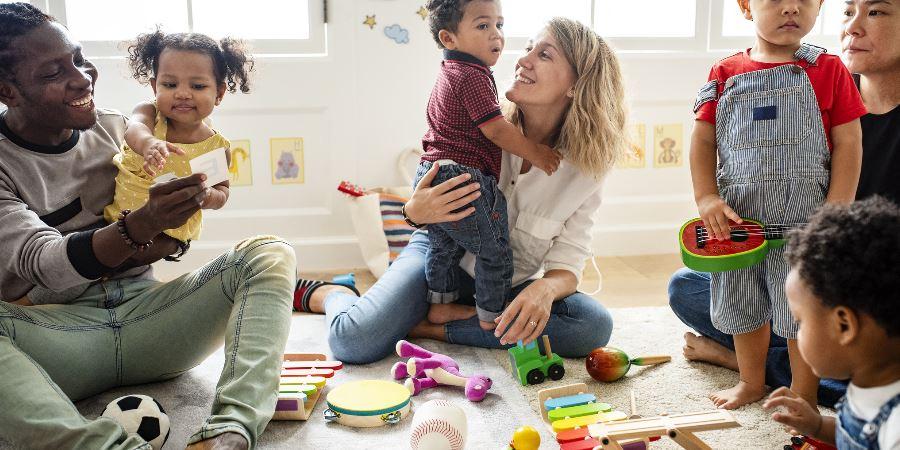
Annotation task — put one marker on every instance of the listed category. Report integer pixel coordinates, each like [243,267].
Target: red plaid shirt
[463,99]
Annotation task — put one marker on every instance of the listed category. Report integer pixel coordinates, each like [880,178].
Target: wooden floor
[628,281]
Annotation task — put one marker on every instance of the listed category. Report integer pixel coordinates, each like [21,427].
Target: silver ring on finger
[532,323]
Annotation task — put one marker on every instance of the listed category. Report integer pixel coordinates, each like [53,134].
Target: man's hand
[170,205]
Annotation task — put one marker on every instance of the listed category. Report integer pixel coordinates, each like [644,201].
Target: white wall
[358,107]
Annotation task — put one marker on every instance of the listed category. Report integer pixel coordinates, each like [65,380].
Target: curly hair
[445,15]
[850,256]
[16,19]
[232,62]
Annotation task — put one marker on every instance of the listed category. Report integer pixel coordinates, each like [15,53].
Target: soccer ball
[140,415]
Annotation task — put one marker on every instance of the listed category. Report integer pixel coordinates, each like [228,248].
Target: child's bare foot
[702,348]
[740,395]
[487,325]
[224,441]
[448,312]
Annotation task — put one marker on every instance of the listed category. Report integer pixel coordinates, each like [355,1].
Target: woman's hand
[436,204]
[525,318]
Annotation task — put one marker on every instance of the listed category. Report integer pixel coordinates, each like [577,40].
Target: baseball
[438,425]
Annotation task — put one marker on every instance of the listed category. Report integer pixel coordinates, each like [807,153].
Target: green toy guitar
[749,244]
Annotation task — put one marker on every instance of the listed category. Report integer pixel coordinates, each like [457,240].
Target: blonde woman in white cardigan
[567,93]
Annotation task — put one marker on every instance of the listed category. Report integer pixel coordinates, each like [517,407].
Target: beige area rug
[678,386]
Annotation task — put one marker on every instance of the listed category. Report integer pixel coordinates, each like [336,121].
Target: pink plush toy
[427,370]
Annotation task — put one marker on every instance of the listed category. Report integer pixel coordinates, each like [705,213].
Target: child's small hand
[800,417]
[155,155]
[545,158]
[715,214]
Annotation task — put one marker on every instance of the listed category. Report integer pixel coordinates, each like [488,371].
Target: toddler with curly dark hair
[189,74]
[844,290]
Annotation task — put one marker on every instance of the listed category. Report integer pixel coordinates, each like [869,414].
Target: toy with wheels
[610,364]
[807,443]
[531,367]
[367,403]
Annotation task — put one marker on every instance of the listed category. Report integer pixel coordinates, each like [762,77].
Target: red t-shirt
[463,99]
[839,100]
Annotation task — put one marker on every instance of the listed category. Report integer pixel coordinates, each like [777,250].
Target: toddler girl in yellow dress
[189,74]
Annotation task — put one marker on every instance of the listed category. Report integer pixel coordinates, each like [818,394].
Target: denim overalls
[853,433]
[773,167]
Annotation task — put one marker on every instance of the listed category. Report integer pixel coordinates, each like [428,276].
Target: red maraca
[609,363]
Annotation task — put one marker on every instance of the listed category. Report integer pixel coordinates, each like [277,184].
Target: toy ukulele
[749,244]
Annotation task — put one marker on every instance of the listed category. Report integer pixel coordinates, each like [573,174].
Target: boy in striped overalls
[783,118]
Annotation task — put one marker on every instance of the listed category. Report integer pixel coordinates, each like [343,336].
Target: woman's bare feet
[440,313]
[740,395]
[428,330]
[224,441]
[487,326]
[701,348]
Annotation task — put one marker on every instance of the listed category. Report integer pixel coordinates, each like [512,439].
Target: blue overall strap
[875,424]
[809,53]
[708,93]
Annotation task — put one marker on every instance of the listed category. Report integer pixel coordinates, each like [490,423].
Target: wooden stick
[634,414]
[651,360]
[687,440]
[547,352]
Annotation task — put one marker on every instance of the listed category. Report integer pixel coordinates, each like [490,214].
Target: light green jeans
[125,332]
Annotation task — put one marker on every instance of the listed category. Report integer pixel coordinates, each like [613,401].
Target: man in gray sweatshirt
[118,325]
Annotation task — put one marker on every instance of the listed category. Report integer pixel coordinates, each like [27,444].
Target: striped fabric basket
[379,225]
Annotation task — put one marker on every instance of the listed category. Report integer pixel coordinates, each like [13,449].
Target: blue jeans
[689,297]
[366,329]
[484,233]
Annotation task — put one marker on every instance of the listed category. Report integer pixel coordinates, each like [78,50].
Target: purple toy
[427,370]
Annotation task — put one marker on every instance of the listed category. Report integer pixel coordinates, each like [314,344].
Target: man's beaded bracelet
[123,231]
[407,219]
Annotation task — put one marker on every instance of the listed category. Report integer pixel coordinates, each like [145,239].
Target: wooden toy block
[569,400]
[295,406]
[324,373]
[583,421]
[578,411]
[678,427]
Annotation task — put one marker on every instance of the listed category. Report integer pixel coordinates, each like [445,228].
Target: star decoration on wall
[370,21]
[422,12]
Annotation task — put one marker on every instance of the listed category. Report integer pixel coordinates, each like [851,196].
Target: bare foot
[487,325]
[740,395]
[428,330]
[443,313]
[701,348]
[224,441]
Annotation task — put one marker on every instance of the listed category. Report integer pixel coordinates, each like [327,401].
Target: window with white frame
[270,26]
[730,30]
[659,25]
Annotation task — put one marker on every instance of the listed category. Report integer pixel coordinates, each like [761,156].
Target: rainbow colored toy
[610,364]
[749,244]
[302,379]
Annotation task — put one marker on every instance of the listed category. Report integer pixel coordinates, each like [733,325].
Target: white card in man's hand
[213,164]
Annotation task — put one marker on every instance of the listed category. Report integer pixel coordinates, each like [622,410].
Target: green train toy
[531,367]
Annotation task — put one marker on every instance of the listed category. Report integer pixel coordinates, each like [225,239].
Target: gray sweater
[51,201]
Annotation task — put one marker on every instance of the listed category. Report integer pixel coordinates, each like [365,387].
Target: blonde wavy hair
[593,134]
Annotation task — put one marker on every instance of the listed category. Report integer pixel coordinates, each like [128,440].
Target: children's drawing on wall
[423,12]
[240,172]
[636,158]
[287,160]
[397,33]
[668,145]
[370,21]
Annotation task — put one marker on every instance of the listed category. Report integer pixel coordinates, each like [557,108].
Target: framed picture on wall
[287,160]
[668,145]
[240,171]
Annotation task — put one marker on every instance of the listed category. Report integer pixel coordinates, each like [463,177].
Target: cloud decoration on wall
[397,33]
